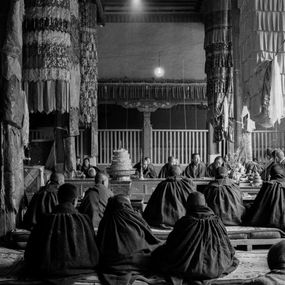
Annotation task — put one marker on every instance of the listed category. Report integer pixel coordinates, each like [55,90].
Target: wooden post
[213,150]
[238,102]
[94,143]
[59,143]
[147,135]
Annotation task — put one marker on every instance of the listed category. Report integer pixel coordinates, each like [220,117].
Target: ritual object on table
[257,181]
[121,167]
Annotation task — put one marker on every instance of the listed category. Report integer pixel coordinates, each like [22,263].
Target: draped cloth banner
[219,67]
[88,62]
[46,55]
[261,37]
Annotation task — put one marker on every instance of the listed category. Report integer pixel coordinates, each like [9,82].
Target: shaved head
[101,178]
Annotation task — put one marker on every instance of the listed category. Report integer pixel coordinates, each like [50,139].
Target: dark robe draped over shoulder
[62,244]
[125,241]
[167,203]
[198,248]
[268,209]
[164,171]
[224,197]
[43,202]
[195,172]
[94,203]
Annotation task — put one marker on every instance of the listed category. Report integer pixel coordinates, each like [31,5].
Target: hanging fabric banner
[219,66]
[46,55]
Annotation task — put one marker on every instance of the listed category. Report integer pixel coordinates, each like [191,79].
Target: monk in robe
[224,197]
[96,198]
[147,169]
[212,168]
[196,169]
[198,248]
[266,171]
[62,244]
[88,170]
[165,168]
[125,242]
[279,157]
[268,207]
[44,201]
[276,264]
[167,203]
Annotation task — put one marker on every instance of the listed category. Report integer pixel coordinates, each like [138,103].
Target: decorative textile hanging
[88,62]
[46,55]
[261,39]
[219,66]
[13,110]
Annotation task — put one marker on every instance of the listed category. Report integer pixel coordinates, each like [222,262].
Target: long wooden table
[142,189]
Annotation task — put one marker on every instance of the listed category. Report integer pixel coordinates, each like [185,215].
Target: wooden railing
[108,140]
[178,143]
[261,140]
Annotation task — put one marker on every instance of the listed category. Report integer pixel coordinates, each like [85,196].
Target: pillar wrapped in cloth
[219,67]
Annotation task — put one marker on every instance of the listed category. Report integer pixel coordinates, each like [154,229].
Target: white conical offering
[121,165]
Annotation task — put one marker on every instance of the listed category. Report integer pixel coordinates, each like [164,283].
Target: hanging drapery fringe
[127,91]
[46,55]
[219,67]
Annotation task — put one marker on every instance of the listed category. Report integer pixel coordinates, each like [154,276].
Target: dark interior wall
[131,50]
[117,117]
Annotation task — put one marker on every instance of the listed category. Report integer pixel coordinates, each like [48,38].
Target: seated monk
[224,197]
[125,242]
[266,171]
[168,201]
[165,168]
[198,248]
[96,198]
[212,168]
[89,170]
[43,201]
[279,157]
[62,244]
[268,207]
[196,169]
[276,264]
[147,169]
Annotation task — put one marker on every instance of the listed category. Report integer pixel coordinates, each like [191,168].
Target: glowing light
[137,5]
[159,72]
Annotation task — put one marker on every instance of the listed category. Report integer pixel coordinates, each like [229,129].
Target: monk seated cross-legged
[197,249]
[125,242]
[62,244]
[196,169]
[44,201]
[269,205]
[167,203]
[164,171]
[224,197]
[96,198]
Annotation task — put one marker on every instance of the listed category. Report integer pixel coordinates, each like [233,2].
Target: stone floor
[252,264]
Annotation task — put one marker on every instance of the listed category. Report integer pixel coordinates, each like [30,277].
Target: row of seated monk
[196,169]
[63,243]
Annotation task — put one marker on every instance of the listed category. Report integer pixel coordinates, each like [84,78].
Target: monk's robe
[62,244]
[276,263]
[164,171]
[168,201]
[43,202]
[265,174]
[211,170]
[198,248]
[94,203]
[148,172]
[195,171]
[268,207]
[224,197]
[125,242]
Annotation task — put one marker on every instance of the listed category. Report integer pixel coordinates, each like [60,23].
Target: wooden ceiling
[153,9]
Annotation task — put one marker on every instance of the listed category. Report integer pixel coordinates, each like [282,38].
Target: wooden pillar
[213,149]
[59,134]
[94,143]
[238,100]
[147,134]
